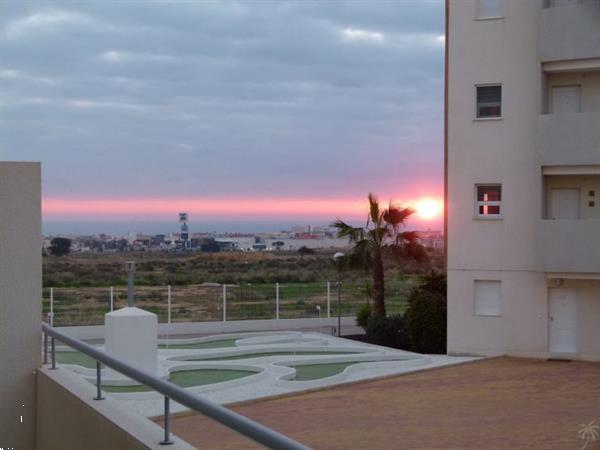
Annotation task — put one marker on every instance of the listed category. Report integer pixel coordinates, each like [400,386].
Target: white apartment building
[523,177]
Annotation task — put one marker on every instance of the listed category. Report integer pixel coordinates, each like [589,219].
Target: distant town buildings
[289,240]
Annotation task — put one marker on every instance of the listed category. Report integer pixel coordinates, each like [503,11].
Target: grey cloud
[223,98]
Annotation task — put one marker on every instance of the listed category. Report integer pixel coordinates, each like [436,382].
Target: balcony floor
[500,403]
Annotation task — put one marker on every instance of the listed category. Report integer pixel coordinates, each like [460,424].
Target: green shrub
[387,330]
[426,315]
[363,314]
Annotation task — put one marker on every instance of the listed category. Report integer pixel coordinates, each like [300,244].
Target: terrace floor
[503,403]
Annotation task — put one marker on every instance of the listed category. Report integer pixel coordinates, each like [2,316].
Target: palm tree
[381,236]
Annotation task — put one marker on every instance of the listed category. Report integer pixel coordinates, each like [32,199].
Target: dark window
[489,101]
[489,200]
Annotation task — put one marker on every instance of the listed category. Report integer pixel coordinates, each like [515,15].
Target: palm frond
[353,234]
[396,216]
[374,214]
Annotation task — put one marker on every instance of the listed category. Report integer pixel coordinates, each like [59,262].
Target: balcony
[568,139]
[570,32]
[569,246]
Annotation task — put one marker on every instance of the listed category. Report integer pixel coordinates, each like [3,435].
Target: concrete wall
[20,306]
[569,246]
[568,139]
[233,326]
[69,419]
[570,32]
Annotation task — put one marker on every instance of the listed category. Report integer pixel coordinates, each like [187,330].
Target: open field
[81,285]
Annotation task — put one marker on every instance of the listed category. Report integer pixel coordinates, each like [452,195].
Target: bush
[363,315]
[425,317]
[387,330]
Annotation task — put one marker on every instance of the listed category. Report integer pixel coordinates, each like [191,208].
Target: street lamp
[130,269]
[338,258]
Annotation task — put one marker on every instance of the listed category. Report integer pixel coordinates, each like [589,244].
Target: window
[489,101]
[489,200]
[487,298]
[490,9]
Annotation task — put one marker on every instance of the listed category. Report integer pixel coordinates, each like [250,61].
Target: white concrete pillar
[131,334]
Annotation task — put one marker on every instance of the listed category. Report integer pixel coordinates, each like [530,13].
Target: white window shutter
[488,299]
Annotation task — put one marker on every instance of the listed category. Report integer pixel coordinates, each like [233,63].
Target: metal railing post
[328,300]
[112,299]
[98,381]
[224,303]
[167,439]
[53,350]
[51,315]
[169,304]
[45,348]
[276,301]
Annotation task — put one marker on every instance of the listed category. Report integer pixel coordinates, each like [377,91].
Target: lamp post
[130,269]
[338,258]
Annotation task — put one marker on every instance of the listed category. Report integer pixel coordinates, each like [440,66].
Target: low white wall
[69,419]
[234,326]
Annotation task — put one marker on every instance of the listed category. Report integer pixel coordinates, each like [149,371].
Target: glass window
[488,9]
[489,200]
[489,101]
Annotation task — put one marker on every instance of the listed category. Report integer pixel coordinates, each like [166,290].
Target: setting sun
[428,208]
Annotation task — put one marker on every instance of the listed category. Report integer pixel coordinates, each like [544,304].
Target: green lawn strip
[212,344]
[77,358]
[316,371]
[189,378]
[262,355]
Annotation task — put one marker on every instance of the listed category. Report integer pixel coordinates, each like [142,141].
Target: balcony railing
[230,419]
[569,246]
[569,139]
[570,32]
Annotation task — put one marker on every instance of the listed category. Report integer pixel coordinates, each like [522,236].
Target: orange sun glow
[428,208]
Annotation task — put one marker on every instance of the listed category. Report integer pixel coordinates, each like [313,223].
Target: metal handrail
[253,430]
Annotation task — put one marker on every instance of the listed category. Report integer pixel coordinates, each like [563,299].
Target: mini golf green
[211,344]
[264,354]
[190,378]
[77,358]
[316,371]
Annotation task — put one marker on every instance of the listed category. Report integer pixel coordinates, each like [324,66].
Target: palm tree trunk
[378,286]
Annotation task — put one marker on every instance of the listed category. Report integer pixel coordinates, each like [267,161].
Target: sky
[234,111]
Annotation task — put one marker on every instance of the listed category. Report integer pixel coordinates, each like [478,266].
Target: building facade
[523,177]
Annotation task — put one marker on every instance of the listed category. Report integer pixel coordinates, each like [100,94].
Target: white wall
[20,306]
[69,419]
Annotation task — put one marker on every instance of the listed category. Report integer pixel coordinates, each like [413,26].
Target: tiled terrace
[500,403]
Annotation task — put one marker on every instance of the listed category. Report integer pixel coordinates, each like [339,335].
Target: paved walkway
[494,404]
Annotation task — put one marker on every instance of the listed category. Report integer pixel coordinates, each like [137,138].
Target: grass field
[81,285]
